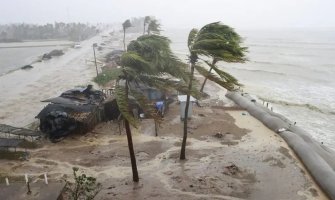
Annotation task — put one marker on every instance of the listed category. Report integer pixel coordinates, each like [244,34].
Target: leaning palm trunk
[204,83]
[131,152]
[210,70]
[183,145]
[130,144]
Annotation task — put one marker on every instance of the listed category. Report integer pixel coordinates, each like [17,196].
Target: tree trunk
[183,145]
[124,40]
[131,152]
[130,144]
[210,70]
[203,84]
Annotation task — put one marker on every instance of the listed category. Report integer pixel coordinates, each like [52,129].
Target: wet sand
[229,156]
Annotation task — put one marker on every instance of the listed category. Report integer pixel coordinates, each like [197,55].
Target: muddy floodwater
[229,156]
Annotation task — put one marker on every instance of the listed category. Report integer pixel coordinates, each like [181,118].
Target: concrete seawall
[318,159]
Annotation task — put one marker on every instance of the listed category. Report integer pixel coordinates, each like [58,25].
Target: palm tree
[132,65]
[153,26]
[146,21]
[157,49]
[126,24]
[147,59]
[234,40]
[211,42]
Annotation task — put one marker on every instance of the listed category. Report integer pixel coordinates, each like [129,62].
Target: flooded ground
[230,155]
[15,55]
[22,90]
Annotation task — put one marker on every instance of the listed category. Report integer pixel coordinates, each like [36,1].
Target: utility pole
[95,59]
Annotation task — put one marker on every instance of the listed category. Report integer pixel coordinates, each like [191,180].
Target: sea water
[292,69]
[15,55]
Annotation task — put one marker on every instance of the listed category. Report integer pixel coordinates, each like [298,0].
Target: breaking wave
[259,70]
[275,63]
[303,105]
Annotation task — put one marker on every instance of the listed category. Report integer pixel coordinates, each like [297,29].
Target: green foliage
[9,155]
[149,61]
[106,76]
[58,30]
[191,37]
[226,83]
[84,187]
[224,75]
[166,84]
[154,27]
[122,100]
[145,105]
[29,145]
[217,42]
[136,62]
[156,50]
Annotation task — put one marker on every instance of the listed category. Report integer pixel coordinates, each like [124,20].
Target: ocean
[293,70]
[16,55]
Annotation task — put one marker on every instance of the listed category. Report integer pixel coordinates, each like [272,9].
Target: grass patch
[106,76]
[8,155]
[28,145]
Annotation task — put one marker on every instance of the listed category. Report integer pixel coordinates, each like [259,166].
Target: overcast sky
[175,13]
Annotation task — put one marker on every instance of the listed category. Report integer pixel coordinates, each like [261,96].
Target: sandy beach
[230,154]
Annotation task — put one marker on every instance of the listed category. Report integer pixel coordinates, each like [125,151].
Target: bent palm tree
[235,41]
[210,41]
[147,59]
[126,24]
[156,49]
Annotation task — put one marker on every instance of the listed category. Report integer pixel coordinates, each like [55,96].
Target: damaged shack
[75,111]
[80,110]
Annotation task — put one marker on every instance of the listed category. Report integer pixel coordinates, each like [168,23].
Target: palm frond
[156,50]
[223,30]
[166,84]
[219,41]
[214,44]
[218,80]
[145,105]
[138,63]
[224,75]
[191,37]
[154,26]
